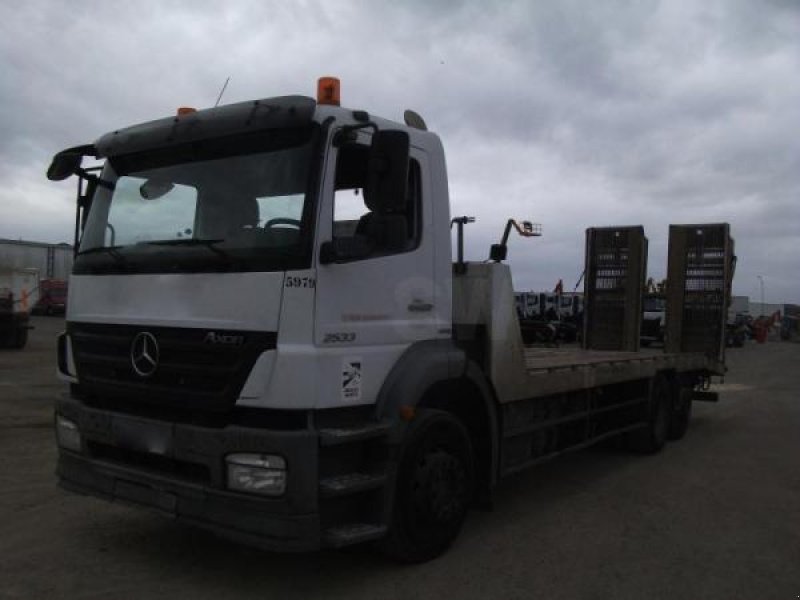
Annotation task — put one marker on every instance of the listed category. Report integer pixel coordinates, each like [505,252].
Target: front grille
[191,373]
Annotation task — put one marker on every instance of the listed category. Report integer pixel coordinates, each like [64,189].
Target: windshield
[232,204]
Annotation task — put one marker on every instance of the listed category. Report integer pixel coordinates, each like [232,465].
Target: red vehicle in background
[52,297]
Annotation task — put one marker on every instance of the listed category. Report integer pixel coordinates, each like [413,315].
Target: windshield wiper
[208,243]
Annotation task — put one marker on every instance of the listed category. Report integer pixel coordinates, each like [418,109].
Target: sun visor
[231,119]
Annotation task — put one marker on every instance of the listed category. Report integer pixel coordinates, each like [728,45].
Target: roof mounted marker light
[414,120]
[328,90]
[186,110]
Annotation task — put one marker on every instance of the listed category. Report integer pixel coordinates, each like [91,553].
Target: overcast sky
[571,114]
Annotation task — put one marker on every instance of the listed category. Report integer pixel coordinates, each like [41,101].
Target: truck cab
[247,278]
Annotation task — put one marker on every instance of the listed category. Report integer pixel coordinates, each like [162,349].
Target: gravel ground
[716,515]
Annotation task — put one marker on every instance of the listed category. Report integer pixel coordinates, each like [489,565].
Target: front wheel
[435,482]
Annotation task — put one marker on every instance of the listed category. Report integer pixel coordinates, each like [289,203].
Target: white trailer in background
[740,305]
[53,261]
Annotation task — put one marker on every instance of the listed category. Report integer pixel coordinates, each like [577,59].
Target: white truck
[247,353]
[19,292]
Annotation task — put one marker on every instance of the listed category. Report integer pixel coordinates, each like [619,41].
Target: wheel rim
[439,488]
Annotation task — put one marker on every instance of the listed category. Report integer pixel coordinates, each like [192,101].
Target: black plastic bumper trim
[288,523]
[232,516]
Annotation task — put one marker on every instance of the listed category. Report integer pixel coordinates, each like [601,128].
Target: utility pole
[761,281]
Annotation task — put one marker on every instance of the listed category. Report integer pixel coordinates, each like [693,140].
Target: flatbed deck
[558,370]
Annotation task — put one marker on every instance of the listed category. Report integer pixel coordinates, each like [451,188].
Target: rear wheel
[435,482]
[681,413]
[651,439]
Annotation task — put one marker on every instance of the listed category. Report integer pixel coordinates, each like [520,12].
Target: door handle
[419,306]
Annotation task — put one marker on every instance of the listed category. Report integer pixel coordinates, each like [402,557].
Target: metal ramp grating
[700,272]
[616,259]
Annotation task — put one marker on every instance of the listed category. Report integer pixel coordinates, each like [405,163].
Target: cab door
[372,308]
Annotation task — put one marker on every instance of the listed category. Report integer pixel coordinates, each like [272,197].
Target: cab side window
[387,232]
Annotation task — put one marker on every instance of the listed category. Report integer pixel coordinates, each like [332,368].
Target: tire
[681,413]
[651,439]
[434,488]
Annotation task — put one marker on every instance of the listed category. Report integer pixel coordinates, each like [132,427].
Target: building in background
[765,310]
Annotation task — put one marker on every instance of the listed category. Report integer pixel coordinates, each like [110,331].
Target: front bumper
[178,469]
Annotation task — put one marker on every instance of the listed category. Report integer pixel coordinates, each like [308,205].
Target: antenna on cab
[222,91]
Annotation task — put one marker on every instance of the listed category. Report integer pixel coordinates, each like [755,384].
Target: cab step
[350,483]
[333,436]
[353,533]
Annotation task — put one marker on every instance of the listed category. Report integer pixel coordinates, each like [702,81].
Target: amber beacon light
[328,89]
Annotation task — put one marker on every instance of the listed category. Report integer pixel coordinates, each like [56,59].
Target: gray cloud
[573,113]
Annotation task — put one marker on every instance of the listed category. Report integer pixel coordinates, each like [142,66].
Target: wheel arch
[437,374]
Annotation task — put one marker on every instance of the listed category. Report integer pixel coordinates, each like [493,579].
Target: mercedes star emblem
[144,354]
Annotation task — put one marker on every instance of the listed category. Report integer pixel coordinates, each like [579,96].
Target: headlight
[263,474]
[67,434]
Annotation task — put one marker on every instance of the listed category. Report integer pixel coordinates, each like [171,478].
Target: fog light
[67,434]
[263,474]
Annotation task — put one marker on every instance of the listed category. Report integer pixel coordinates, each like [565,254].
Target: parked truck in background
[266,336]
[549,317]
[19,292]
[740,306]
[52,297]
[537,305]
[654,318]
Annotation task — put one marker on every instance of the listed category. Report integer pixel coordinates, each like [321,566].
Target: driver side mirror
[387,175]
[64,165]
[68,162]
